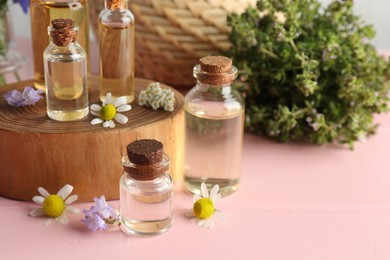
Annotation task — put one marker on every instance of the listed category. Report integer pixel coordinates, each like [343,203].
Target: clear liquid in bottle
[42,12]
[67,90]
[213,146]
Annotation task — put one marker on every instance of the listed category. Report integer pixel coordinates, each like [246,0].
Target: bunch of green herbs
[308,71]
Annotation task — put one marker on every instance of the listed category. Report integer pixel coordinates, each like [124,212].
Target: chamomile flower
[109,111]
[204,211]
[55,205]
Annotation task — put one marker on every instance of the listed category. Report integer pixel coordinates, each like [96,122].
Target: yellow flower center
[204,208]
[108,112]
[53,206]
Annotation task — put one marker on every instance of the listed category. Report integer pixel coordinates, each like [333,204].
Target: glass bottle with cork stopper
[41,13]
[116,50]
[146,189]
[214,121]
[65,73]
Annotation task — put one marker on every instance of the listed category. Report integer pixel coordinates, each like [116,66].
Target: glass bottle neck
[115,4]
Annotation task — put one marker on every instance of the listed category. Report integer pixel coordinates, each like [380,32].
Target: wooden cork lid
[216,64]
[115,4]
[145,151]
[63,31]
[146,160]
[215,70]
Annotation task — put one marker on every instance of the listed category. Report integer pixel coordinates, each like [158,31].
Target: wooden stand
[38,152]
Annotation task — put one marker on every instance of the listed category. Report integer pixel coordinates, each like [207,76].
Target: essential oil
[116,51]
[42,12]
[146,190]
[66,73]
[214,120]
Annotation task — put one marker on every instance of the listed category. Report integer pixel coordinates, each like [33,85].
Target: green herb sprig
[308,71]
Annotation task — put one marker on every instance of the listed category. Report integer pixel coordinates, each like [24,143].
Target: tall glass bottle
[116,49]
[42,12]
[65,73]
[214,119]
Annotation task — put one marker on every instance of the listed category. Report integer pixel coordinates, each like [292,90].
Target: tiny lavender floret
[155,97]
[203,210]
[100,216]
[109,111]
[29,97]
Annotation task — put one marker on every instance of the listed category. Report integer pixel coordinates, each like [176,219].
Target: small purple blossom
[93,221]
[24,4]
[100,215]
[29,97]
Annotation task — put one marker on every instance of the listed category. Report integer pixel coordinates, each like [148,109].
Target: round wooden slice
[36,151]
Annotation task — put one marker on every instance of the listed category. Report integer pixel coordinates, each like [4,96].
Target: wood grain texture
[36,151]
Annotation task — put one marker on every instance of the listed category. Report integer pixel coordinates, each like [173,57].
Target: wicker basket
[171,35]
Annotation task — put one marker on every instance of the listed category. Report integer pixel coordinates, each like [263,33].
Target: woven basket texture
[171,35]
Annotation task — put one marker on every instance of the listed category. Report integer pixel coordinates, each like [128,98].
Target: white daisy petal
[43,192]
[111,124]
[120,101]
[217,198]
[201,222]
[62,219]
[96,121]
[219,215]
[65,191]
[124,108]
[212,221]
[205,192]
[72,210]
[48,221]
[95,113]
[196,198]
[106,124]
[96,108]
[38,199]
[71,199]
[122,119]
[37,212]
[214,192]
[108,99]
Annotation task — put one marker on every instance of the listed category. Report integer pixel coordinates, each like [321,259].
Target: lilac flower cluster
[29,97]
[100,216]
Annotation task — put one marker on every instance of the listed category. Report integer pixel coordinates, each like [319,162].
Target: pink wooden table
[295,202]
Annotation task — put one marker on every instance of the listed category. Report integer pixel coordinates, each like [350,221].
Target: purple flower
[100,215]
[28,97]
[104,210]
[24,4]
[93,221]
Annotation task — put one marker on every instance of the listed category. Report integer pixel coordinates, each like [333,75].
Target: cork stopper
[216,64]
[145,151]
[116,4]
[215,70]
[62,31]
[146,160]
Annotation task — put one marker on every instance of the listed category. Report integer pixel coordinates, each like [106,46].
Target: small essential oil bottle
[146,189]
[65,73]
[41,13]
[116,51]
[214,127]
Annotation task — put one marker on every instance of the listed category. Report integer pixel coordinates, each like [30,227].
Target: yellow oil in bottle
[42,12]
[116,48]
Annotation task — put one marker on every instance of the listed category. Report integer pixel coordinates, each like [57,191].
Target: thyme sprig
[308,71]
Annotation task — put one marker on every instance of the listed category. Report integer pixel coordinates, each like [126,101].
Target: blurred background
[375,12]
